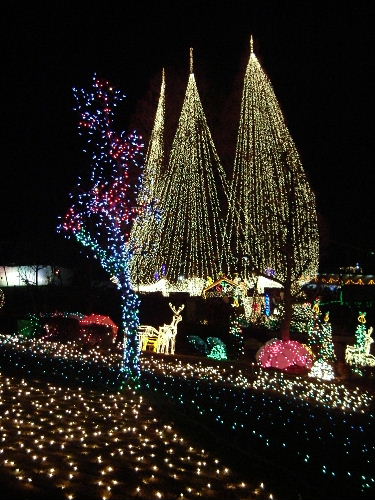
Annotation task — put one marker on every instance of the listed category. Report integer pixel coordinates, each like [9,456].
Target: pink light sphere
[285,355]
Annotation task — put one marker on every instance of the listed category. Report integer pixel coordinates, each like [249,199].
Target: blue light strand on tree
[103,211]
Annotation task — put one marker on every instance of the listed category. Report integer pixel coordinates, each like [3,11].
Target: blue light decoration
[104,206]
[198,343]
[270,272]
[267,307]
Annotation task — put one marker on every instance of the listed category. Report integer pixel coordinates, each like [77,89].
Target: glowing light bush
[284,355]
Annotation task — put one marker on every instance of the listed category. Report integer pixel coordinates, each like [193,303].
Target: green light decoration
[189,243]
[218,352]
[321,342]
[30,327]
[272,221]
[217,348]
[302,314]
[320,335]
[359,354]
[236,342]
[314,326]
[214,346]
[327,352]
[301,317]
[360,333]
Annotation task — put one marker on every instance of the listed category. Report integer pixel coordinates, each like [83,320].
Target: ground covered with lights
[91,444]
[67,430]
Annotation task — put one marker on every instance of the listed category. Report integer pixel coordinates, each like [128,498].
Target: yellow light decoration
[189,243]
[328,395]
[162,340]
[145,232]
[358,355]
[272,222]
[335,396]
[92,421]
[322,370]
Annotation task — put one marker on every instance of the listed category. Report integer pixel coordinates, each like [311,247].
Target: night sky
[318,55]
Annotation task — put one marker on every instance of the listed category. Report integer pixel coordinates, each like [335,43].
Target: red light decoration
[97,319]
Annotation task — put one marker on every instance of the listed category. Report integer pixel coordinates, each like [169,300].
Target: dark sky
[318,55]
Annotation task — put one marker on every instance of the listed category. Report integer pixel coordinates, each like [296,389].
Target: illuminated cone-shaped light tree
[327,350]
[191,232]
[314,327]
[103,208]
[145,233]
[360,333]
[272,222]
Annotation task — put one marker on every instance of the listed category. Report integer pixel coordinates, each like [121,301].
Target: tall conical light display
[190,240]
[272,220]
[145,234]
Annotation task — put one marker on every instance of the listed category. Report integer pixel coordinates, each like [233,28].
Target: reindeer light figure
[164,339]
[359,354]
[148,338]
[167,333]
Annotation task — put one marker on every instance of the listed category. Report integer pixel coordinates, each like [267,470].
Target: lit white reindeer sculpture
[164,339]
[167,333]
[355,355]
[359,354]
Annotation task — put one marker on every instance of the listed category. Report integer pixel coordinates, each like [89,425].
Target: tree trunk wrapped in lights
[103,208]
[272,221]
[189,242]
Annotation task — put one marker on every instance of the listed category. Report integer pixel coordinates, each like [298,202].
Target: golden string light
[272,216]
[203,387]
[326,394]
[103,445]
[190,240]
[145,232]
